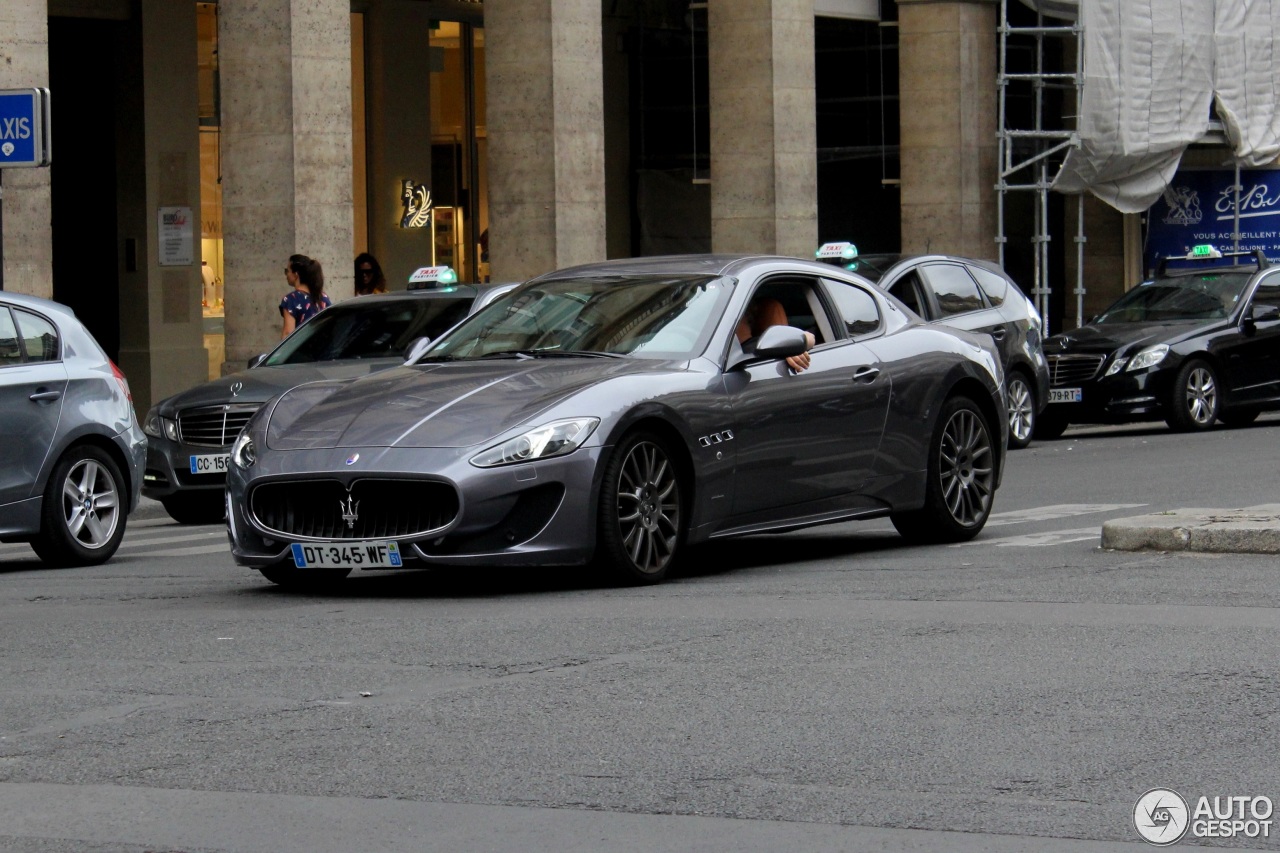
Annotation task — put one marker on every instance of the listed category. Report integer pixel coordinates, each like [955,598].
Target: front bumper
[168,469]
[1120,398]
[537,513]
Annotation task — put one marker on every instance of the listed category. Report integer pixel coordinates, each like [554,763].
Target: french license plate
[211,463]
[1065,395]
[347,555]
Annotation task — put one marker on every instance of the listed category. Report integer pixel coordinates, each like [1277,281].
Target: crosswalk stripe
[1038,540]
[1052,512]
[131,542]
[224,548]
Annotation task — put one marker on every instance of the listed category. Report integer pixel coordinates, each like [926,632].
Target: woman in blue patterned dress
[307,298]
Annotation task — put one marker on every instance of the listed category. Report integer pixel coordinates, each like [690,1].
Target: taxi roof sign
[1204,250]
[427,277]
[844,251]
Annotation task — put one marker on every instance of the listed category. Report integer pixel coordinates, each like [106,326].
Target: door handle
[998,333]
[42,396]
[866,374]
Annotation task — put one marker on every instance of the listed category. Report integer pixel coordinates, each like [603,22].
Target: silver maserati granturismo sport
[619,412]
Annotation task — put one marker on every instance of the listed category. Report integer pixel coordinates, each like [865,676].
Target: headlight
[243,453]
[554,439]
[1116,366]
[157,427]
[1149,357]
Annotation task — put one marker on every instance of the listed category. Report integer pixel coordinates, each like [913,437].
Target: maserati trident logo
[350,511]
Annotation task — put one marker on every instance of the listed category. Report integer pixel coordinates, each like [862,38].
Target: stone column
[285,71]
[26,207]
[947,80]
[545,120]
[161,331]
[764,168]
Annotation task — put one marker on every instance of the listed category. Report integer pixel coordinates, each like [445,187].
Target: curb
[1249,530]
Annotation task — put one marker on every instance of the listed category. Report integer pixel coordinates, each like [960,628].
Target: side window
[859,312]
[953,288]
[1268,292]
[907,290]
[10,352]
[39,337]
[785,301]
[993,285]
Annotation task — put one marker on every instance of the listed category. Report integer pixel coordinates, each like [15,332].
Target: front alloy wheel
[1196,399]
[960,481]
[1022,411]
[640,511]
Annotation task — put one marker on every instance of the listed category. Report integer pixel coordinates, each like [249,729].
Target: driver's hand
[799,363]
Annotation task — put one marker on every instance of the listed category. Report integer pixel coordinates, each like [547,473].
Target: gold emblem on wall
[417,205]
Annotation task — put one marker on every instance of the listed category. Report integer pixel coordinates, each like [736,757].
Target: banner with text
[1199,207]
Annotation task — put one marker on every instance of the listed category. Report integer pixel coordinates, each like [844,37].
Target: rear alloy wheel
[641,512]
[291,577]
[83,512]
[1196,399]
[201,507]
[961,478]
[1022,411]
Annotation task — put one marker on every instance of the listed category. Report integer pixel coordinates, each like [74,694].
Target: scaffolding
[1030,156]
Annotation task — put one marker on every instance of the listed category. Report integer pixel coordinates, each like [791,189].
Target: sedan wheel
[83,513]
[961,479]
[1022,411]
[1196,399]
[640,518]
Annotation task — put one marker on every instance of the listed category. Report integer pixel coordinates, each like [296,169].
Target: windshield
[1190,297]
[371,329]
[873,267]
[644,316]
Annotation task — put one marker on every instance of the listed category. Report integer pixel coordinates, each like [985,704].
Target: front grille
[1070,369]
[214,426]
[372,509]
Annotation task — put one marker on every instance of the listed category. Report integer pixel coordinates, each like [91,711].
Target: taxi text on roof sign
[426,277]
[843,250]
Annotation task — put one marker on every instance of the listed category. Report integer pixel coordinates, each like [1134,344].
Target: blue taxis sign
[24,127]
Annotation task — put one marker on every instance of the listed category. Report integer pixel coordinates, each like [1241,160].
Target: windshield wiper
[436,359]
[551,353]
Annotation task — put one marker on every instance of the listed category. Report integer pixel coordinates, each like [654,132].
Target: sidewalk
[1249,530]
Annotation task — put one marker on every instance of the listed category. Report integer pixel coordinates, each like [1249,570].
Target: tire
[83,514]
[1022,410]
[961,478]
[1196,397]
[292,577]
[1050,425]
[1239,417]
[202,507]
[641,517]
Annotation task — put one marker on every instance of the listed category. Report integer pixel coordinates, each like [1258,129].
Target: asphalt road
[828,689]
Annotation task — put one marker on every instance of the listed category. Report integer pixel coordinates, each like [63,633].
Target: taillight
[120,377]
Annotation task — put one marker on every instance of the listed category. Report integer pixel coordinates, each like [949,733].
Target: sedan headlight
[158,427]
[1149,357]
[554,439]
[243,453]
[1116,366]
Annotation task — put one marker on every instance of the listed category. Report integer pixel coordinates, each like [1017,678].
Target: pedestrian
[369,277]
[307,298]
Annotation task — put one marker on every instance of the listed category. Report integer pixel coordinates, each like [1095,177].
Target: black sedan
[1198,343]
[621,411]
[977,296]
[191,432]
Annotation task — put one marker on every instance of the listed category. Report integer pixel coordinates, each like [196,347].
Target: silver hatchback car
[74,451]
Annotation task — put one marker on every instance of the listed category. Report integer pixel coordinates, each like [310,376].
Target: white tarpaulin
[1154,72]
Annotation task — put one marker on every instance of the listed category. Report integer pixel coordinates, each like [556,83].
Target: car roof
[692,265]
[38,303]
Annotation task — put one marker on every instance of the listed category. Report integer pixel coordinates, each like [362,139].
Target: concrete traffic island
[1250,530]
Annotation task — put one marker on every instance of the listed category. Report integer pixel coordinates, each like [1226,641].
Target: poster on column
[176,237]
[1200,207]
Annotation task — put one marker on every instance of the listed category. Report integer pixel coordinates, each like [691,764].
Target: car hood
[1109,337]
[259,384]
[437,405]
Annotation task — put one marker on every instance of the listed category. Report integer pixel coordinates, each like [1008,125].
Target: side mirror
[257,359]
[415,349]
[774,342]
